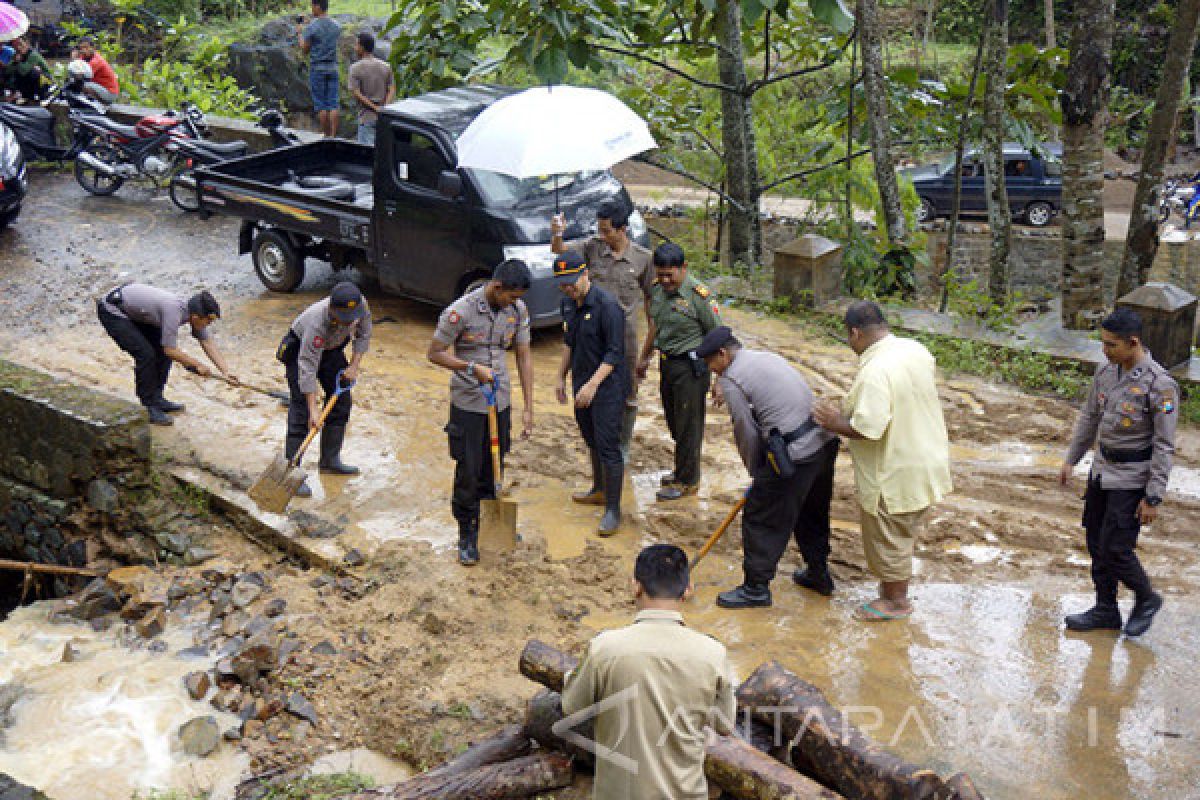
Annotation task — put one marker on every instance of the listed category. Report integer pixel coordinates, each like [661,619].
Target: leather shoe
[158,417]
[745,596]
[819,581]
[668,480]
[1098,617]
[592,497]
[169,407]
[676,491]
[1143,614]
[336,467]
[304,490]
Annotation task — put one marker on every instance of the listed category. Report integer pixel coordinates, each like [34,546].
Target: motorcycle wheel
[92,180]
[183,191]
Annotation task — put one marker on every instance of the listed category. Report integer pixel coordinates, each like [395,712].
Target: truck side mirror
[449,184]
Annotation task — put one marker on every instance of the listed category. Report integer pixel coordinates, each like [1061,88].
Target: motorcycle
[12,176]
[145,151]
[199,153]
[34,125]
[1180,197]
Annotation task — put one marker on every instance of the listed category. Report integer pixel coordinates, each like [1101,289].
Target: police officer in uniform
[594,354]
[623,268]
[790,460]
[472,336]
[682,311]
[144,321]
[1129,417]
[313,352]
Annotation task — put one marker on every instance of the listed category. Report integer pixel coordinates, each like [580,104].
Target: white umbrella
[553,130]
[13,22]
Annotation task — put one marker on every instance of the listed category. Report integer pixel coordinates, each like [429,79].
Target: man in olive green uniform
[1130,417]
[682,311]
[655,684]
[623,268]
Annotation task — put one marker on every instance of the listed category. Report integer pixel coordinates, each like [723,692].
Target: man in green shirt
[681,311]
[29,74]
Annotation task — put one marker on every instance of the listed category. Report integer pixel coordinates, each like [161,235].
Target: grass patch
[319,787]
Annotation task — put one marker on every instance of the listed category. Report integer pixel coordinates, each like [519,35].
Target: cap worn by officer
[346,302]
[714,340]
[568,267]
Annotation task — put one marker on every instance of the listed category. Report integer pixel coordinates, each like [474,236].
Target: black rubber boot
[1098,617]
[468,543]
[157,416]
[595,495]
[614,478]
[331,451]
[748,595]
[166,405]
[1143,614]
[816,578]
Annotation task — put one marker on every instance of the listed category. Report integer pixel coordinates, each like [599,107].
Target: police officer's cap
[714,340]
[346,302]
[568,267]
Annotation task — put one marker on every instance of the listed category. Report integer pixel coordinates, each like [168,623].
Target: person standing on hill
[319,40]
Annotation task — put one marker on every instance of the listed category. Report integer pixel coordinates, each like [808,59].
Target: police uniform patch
[1167,404]
[1136,390]
[318,342]
[1126,422]
[587,315]
[453,318]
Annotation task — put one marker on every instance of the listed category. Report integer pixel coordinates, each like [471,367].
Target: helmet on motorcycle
[271,118]
[79,70]
[6,55]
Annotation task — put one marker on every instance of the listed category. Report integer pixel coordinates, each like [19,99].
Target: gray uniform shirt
[480,333]
[150,305]
[318,332]
[1127,413]
[763,391]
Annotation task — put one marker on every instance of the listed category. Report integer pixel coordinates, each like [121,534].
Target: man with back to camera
[677,681]
[372,84]
[144,321]
[472,336]
[1129,418]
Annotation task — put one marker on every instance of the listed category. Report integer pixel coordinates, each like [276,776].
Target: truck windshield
[505,191]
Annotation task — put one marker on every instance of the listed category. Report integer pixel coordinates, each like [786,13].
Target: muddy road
[982,679]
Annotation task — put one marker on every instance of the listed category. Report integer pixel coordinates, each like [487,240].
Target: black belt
[808,425]
[681,357]
[1126,456]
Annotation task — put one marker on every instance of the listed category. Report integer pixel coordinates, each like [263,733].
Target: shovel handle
[243,385]
[339,390]
[494,439]
[712,540]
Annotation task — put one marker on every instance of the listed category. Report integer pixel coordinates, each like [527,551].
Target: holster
[777,454]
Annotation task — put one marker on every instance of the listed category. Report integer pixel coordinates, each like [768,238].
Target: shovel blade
[275,488]
[498,525]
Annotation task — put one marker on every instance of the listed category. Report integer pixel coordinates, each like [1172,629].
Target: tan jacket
[657,683]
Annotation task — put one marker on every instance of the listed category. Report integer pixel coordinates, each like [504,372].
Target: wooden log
[826,746]
[45,569]
[542,713]
[961,787]
[546,665]
[747,773]
[504,745]
[522,777]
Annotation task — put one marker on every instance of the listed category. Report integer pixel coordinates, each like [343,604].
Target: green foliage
[1023,368]
[971,300]
[169,794]
[319,787]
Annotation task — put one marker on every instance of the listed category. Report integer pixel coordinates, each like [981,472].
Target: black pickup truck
[403,211]
[1033,184]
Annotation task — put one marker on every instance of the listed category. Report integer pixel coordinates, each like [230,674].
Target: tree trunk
[504,745]
[995,70]
[737,137]
[1084,102]
[826,746]
[523,777]
[739,768]
[1048,13]
[961,787]
[546,665]
[875,89]
[1141,245]
[960,147]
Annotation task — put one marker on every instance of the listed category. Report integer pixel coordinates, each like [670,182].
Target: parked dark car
[12,176]
[403,210]
[1033,182]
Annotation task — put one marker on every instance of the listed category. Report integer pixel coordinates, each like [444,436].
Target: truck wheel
[9,217]
[279,266]
[1039,214]
[925,211]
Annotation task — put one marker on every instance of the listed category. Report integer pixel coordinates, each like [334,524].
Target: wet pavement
[982,679]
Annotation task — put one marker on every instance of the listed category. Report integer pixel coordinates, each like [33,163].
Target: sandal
[867,612]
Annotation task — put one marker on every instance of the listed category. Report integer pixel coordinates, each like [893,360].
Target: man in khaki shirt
[893,425]
[660,683]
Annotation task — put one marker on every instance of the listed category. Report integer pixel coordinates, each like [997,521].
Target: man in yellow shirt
[892,422]
[653,687]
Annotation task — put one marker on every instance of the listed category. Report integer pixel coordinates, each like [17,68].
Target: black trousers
[332,362]
[778,509]
[684,395]
[472,454]
[151,366]
[1111,521]
[600,424]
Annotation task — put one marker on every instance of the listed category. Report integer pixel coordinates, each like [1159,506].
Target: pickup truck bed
[322,189]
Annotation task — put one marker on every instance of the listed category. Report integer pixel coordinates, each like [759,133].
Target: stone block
[1168,320]
[808,271]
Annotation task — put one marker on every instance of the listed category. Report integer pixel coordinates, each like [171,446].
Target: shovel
[497,517]
[275,488]
[712,540]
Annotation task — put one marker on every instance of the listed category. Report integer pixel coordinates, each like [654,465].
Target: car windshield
[505,191]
